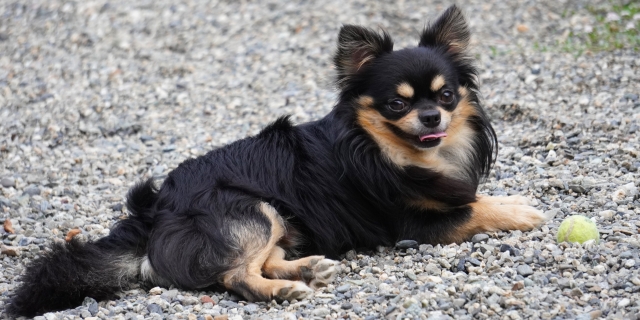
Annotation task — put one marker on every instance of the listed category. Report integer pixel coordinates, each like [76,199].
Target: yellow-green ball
[579,229]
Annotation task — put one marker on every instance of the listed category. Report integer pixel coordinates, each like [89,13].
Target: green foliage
[606,34]
[610,35]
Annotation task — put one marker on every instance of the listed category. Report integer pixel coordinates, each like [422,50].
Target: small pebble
[406,244]
[512,251]
[155,291]
[7,182]
[343,288]
[154,308]
[480,237]
[321,312]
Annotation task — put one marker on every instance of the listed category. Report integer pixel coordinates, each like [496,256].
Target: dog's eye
[397,105]
[446,96]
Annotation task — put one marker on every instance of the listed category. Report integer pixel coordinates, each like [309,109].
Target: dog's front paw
[320,272]
[516,199]
[527,217]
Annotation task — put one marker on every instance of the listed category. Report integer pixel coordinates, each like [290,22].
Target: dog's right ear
[358,46]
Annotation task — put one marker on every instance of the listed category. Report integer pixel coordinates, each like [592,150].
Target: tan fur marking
[396,149]
[429,204]
[437,83]
[408,123]
[256,252]
[457,47]
[516,199]
[276,267]
[488,214]
[405,90]
[459,124]
[458,145]
[365,101]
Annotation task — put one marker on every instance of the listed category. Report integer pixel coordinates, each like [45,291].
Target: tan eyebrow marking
[405,90]
[365,101]
[437,83]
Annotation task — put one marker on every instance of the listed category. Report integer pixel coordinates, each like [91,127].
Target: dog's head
[415,100]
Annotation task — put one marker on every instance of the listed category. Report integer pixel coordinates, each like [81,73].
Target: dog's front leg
[498,213]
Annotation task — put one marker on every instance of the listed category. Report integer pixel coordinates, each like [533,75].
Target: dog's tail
[63,277]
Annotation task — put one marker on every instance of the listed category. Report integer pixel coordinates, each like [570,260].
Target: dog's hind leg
[246,276]
[314,270]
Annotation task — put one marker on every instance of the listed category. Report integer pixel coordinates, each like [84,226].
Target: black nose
[430,118]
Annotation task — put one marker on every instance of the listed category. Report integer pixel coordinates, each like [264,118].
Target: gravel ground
[96,95]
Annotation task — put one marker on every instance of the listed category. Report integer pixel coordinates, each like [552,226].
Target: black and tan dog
[399,157]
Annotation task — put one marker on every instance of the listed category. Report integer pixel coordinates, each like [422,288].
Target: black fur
[328,179]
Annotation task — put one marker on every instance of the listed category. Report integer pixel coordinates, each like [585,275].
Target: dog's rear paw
[320,272]
[296,291]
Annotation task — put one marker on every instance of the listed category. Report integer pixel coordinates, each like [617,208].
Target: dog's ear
[358,46]
[449,30]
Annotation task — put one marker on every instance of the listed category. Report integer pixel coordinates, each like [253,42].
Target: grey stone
[169,148]
[169,295]
[480,237]
[93,308]
[251,308]
[154,308]
[351,255]
[577,188]
[474,262]
[343,288]
[524,270]
[7,182]
[145,138]
[188,301]
[321,312]
[512,251]
[50,316]
[227,304]
[406,244]
[32,191]
[458,303]
[535,69]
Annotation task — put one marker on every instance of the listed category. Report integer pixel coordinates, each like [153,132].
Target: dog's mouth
[424,140]
[430,140]
[432,136]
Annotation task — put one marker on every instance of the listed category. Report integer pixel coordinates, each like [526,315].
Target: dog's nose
[430,118]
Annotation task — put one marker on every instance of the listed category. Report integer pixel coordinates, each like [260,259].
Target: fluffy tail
[63,277]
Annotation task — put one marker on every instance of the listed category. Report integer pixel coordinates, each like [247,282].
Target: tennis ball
[579,229]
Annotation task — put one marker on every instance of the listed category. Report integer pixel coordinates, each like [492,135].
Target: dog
[400,156]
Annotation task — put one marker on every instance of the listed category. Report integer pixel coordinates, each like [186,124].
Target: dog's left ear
[449,30]
[357,47]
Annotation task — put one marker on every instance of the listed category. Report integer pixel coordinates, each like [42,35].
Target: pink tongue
[432,136]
